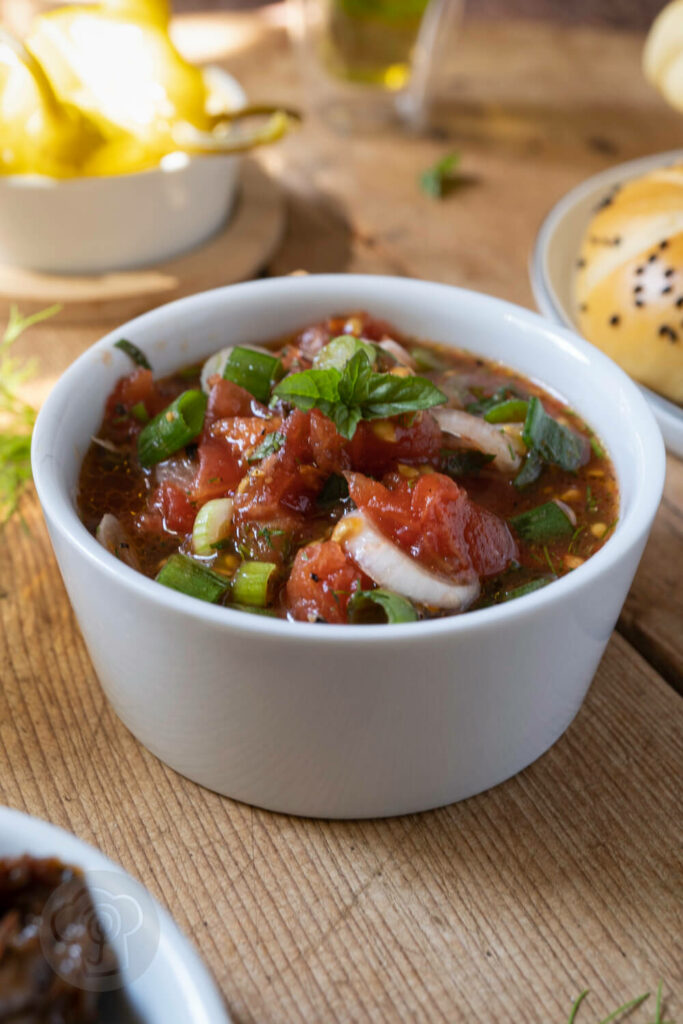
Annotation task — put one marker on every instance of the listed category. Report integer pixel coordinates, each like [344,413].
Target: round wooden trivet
[242,247]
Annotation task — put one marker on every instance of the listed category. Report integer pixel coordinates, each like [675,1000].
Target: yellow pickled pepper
[116,62]
[38,134]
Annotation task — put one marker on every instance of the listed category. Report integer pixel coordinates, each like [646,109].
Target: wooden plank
[500,908]
[652,618]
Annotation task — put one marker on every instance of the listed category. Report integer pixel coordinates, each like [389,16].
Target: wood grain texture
[498,909]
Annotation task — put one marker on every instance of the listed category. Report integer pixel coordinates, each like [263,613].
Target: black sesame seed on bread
[629,280]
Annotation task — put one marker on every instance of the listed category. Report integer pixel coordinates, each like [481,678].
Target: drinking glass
[369,62]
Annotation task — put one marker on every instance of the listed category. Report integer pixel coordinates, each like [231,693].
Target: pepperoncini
[101,90]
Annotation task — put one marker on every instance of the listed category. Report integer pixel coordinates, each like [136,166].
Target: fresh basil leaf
[345,419]
[389,395]
[334,490]
[395,608]
[527,588]
[543,523]
[356,378]
[338,352]
[552,441]
[530,471]
[464,462]
[436,180]
[307,389]
[271,444]
[482,405]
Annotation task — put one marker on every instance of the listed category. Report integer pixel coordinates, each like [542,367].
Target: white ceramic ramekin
[347,721]
[122,221]
[553,265]
[164,980]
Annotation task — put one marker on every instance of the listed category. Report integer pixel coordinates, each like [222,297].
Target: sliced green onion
[338,352]
[546,522]
[173,428]
[271,444]
[335,489]
[395,608]
[530,471]
[554,442]
[527,588]
[189,577]
[598,450]
[211,525]
[464,462]
[253,371]
[482,405]
[133,352]
[139,411]
[250,583]
[425,360]
[513,410]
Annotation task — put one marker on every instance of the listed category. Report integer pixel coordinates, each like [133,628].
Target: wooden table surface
[504,907]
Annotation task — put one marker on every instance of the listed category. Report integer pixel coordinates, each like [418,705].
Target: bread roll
[629,281]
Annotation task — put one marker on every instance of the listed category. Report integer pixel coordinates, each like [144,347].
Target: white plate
[554,257]
[165,982]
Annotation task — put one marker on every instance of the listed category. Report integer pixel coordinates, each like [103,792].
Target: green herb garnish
[253,371]
[180,572]
[271,444]
[441,177]
[546,522]
[464,462]
[251,583]
[335,489]
[552,441]
[526,588]
[133,352]
[341,350]
[393,608]
[17,417]
[174,427]
[357,393]
[512,410]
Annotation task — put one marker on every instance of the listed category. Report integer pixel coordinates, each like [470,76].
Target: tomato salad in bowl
[368,482]
[346,474]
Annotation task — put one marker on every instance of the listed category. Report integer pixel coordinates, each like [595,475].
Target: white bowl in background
[91,225]
[553,265]
[175,988]
[347,721]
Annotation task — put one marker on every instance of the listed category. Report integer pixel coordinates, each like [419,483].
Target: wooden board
[496,910]
[240,249]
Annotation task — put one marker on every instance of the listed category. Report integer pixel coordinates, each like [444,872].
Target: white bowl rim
[544,293]
[45,182]
[52,493]
[188,967]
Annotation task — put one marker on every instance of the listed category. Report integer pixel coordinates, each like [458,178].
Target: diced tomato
[173,506]
[244,432]
[285,482]
[138,387]
[321,583]
[434,520]
[228,399]
[378,445]
[220,471]
[329,449]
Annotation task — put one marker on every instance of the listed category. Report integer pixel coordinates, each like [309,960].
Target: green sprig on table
[442,177]
[622,1010]
[17,417]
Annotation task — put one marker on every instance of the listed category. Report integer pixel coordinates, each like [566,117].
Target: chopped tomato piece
[174,506]
[220,471]
[321,583]
[244,432]
[284,482]
[432,519]
[138,388]
[378,445]
[229,399]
